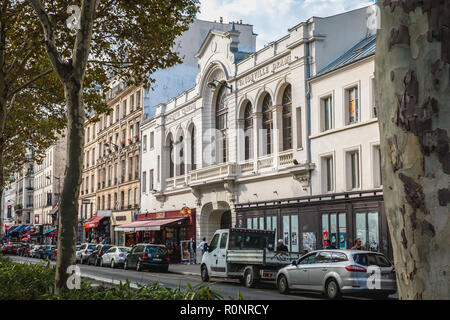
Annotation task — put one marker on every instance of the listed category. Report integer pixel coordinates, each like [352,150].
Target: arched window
[181,156]
[267,122]
[171,163]
[287,118]
[248,130]
[221,123]
[193,164]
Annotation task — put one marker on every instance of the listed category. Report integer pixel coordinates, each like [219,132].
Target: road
[265,291]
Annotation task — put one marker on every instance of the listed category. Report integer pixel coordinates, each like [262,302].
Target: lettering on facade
[275,66]
[180,113]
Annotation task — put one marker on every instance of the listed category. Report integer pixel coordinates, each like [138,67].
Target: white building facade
[246,146]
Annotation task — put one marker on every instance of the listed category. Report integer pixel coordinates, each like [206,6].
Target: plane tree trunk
[413,98]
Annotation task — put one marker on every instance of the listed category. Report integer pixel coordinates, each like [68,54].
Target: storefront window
[342,231]
[373,231]
[361,230]
[294,234]
[249,223]
[331,224]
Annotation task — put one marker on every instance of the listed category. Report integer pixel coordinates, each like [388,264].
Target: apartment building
[48,184]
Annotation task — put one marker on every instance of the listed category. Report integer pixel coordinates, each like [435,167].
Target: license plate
[157,260]
[386,276]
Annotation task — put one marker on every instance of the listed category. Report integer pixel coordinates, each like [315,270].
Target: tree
[31,113]
[129,39]
[413,98]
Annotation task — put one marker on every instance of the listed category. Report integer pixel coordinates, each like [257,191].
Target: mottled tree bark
[68,203]
[71,74]
[413,98]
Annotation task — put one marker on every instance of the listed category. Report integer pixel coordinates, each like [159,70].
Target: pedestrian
[203,246]
[281,246]
[192,252]
[357,245]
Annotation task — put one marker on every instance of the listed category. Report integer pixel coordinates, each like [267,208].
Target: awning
[93,222]
[48,231]
[16,229]
[147,225]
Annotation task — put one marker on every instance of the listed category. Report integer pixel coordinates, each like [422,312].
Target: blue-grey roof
[361,50]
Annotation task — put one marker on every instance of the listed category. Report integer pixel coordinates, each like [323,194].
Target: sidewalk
[188,269]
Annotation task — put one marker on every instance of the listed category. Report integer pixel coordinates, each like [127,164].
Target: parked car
[148,256]
[95,257]
[338,272]
[115,256]
[85,250]
[34,251]
[22,249]
[11,248]
[47,251]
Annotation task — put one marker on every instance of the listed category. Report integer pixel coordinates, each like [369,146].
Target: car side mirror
[294,262]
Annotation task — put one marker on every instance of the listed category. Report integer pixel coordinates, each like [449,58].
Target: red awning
[93,222]
[148,225]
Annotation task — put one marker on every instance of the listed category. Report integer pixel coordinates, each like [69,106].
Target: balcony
[286,158]
[246,166]
[213,172]
[265,162]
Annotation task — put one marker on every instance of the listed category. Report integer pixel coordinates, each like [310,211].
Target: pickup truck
[245,254]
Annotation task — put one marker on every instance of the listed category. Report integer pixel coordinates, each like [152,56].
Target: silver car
[83,253]
[338,272]
[115,256]
[34,251]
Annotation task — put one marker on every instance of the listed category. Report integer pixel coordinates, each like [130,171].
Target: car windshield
[156,250]
[371,259]
[106,248]
[91,246]
[124,249]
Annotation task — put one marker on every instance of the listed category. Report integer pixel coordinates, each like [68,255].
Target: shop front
[306,223]
[97,229]
[172,228]
[118,219]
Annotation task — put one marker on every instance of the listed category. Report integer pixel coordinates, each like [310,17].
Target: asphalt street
[228,289]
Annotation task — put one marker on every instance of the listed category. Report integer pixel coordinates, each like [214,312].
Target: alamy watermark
[373,19]
[73,22]
[74,280]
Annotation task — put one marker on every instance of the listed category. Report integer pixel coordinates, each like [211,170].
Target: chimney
[221,19]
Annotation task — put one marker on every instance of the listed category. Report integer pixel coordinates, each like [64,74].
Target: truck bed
[260,257]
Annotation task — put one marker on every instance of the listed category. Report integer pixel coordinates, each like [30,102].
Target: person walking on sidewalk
[192,252]
[203,245]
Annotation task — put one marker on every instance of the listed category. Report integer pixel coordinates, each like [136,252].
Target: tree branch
[49,39]
[26,84]
[84,36]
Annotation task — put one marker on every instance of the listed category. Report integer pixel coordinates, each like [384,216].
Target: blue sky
[272,18]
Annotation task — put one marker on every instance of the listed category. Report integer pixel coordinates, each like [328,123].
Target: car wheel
[249,281]
[204,273]
[332,290]
[165,269]
[112,264]
[139,266]
[282,284]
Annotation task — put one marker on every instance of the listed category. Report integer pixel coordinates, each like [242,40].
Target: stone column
[277,133]
[257,126]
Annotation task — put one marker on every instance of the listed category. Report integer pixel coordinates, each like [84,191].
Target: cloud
[272,18]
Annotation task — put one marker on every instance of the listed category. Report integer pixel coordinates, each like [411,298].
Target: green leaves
[36,282]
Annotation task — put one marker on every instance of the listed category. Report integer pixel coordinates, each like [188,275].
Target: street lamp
[213,84]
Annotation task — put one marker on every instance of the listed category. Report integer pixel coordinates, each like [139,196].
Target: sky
[271,19]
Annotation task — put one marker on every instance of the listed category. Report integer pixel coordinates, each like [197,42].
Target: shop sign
[159,215]
[185,212]
[86,201]
[121,218]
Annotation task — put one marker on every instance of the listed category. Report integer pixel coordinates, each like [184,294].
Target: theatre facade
[239,149]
